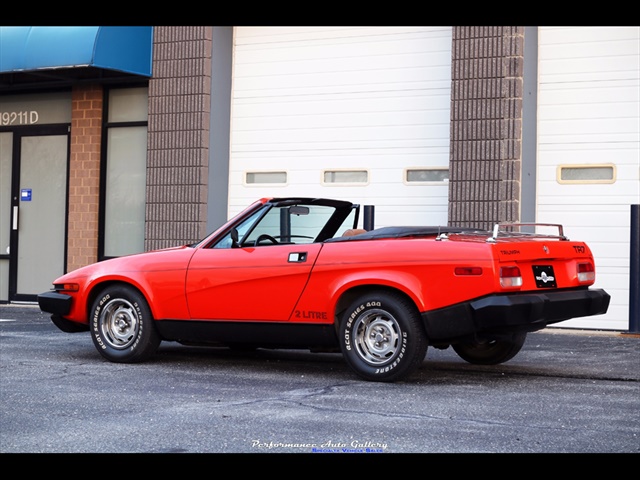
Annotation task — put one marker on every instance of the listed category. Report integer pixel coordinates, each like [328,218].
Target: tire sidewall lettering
[95,321]
[140,326]
[396,361]
[347,327]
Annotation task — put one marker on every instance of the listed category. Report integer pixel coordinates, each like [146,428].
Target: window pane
[288,225]
[227,242]
[6,155]
[427,175]
[128,105]
[346,176]
[587,174]
[265,177]
[125,191]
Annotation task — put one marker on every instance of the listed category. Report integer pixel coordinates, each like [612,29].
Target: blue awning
[123,49]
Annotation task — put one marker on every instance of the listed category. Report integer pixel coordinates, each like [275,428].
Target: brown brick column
[178,133]
[84,175]
[486,125]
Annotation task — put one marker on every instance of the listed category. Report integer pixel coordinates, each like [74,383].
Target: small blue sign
[25,195]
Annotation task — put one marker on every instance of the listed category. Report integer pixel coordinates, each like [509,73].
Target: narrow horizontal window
[254,178]
[586,174]
[345,176]
[426,175]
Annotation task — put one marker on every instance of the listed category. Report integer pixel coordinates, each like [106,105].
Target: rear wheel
[381,337]
[490,352]
[122,327]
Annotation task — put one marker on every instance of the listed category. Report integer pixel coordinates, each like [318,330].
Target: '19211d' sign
[27,117]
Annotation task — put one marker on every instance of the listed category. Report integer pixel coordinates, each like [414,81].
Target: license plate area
[544,276]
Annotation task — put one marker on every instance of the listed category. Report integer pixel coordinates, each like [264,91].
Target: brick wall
[84,175]
[178,150]
[486,125]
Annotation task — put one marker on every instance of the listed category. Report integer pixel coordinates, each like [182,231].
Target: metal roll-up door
[356,113]
[589,149]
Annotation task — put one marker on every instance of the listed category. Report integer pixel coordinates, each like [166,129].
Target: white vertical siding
[589,114]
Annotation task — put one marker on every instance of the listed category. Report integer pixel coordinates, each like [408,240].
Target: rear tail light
[586,272]
[510,277]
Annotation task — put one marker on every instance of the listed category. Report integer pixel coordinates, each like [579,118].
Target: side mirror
[234,238]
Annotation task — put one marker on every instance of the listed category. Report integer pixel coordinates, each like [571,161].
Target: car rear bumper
[496,314]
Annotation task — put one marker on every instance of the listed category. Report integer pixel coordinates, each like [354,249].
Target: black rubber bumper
[59,305]
[56,303]
[513,312]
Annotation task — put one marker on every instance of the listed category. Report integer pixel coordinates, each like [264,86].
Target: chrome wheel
[377,337]
[119,323]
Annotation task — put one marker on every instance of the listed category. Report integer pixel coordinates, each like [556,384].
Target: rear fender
[408,284]
[325,294]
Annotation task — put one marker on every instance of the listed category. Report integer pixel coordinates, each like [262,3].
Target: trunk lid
[532,257]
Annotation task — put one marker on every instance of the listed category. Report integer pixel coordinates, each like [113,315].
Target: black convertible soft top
[401,232]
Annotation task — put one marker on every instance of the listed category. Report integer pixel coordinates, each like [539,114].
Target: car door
[256,283]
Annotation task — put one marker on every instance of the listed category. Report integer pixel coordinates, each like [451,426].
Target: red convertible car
[297,273]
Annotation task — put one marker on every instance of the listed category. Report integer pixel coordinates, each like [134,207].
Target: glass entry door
[37,253]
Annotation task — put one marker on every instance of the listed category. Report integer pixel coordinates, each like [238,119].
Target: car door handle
[297,257]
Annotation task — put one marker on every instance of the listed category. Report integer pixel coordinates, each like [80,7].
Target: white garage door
[354,113]
[589,149]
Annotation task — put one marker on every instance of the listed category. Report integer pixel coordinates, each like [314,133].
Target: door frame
[18,133]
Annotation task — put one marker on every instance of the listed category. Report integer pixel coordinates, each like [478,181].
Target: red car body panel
[257,284]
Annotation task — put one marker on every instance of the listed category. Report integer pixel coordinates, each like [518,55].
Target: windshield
[289,224]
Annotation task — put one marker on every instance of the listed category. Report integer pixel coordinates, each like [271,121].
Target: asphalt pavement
[615,354]
[567,391]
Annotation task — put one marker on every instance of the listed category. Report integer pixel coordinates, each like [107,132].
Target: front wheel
[381,337]
[490,352]
[122,327]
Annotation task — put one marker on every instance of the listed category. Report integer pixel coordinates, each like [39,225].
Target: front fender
[165,294]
